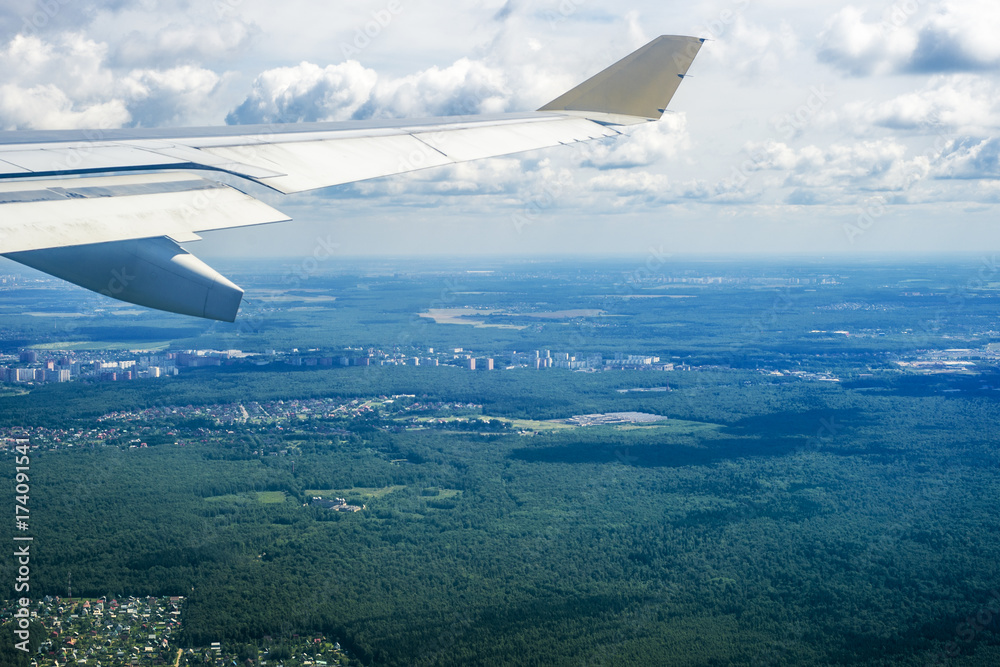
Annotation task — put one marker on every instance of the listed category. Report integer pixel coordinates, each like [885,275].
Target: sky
[820,128]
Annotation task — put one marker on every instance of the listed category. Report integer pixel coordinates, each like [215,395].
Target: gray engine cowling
[152,272]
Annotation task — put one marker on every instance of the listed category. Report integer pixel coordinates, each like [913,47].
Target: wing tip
[640,85]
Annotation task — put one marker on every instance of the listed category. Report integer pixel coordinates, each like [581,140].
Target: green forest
[770,519]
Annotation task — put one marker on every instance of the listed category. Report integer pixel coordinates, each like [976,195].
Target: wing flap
[317,164]
[86,157]
[52,213]
[312,164]
[195,156]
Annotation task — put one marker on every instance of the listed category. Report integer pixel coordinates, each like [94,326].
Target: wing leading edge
[142,216]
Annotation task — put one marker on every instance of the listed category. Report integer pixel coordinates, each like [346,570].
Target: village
[144,631]
[133,428]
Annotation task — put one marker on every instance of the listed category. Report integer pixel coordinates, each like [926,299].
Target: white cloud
[965,103]
[631,183]
[466,87]
[970,159]
[168,97]
[47,107]
[959,36]
[66,82]
[866,166]
[642,147]
[863,47]
[497,176]
[70,61]
[307,92]
[951,37]
[749,49]
[190,40]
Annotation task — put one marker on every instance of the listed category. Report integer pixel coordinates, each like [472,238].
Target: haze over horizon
[858,129]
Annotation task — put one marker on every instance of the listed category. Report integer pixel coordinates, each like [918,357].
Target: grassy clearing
[229,498]
[263,497]
[520,424]
[355,492]
[536,425]
[678,426]
[462,316]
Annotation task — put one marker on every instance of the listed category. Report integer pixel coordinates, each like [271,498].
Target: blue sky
[819,128]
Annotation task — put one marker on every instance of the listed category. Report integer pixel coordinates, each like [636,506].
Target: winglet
[639,86]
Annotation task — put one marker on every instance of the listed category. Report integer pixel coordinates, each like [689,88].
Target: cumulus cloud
[861,47]
[630,182]
[308,92]
[168,97]
[73,92]
[525,58]
[952,37]
[953,103]
[644,146]
[466,87]
[853,173]
[959,36]
[864,166]
[497,177]
[46,107]
[970,158]
[70,62]
[65,83]
[812,175]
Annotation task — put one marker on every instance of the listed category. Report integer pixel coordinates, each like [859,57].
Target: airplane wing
[62,213]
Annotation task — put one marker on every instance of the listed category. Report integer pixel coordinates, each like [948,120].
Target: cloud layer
[791,107]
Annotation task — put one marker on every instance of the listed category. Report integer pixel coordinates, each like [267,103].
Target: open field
[355,492]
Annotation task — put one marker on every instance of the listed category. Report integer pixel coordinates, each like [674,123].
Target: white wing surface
[60,215]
